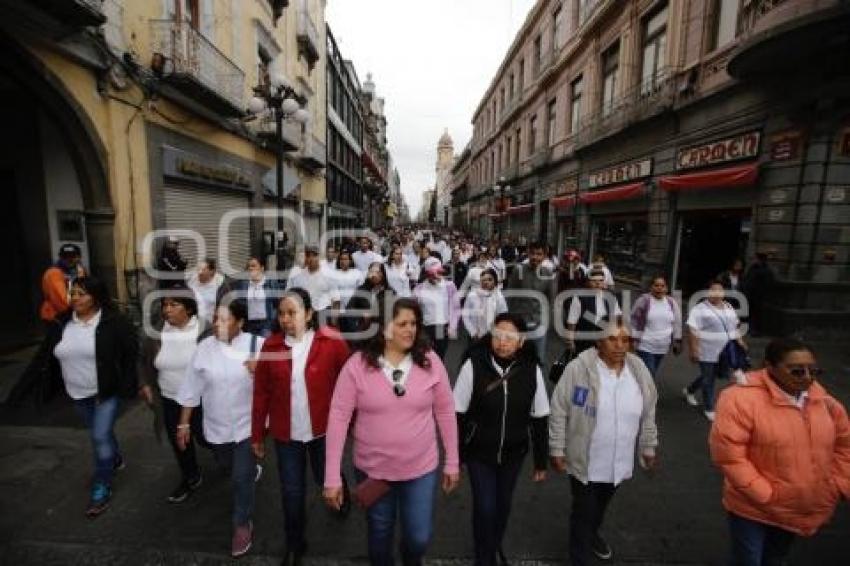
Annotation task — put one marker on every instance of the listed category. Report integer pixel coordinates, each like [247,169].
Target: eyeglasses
[398,386]
[800,371]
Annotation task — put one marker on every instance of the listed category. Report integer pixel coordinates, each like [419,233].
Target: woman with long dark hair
[293,384]
[370,297]
[97,350]
[500,396]
[399,390]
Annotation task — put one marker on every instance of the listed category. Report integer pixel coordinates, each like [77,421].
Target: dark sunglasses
[398,387]
[800,371]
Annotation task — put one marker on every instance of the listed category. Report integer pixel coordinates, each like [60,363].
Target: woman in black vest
[501,400]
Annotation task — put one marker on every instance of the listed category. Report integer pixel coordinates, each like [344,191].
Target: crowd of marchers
[349,347]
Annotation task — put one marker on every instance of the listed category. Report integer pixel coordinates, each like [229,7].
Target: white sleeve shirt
[76,355]
[300,421]
[465,381]
[217,377]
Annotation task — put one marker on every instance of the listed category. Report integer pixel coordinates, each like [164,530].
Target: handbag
[369,491]
[732,356]
[557,369]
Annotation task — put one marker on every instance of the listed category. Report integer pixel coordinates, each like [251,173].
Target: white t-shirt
[76,355]
[217,374]
[362,260]
[708,322]
[658,332]
[434,300]
[300,422]
[346,283]
[619,406]
[206,293]
[319,284]
[398,278]
[601,308]
[256,298]
[175,353]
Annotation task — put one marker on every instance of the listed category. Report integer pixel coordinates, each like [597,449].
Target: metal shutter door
[201,210]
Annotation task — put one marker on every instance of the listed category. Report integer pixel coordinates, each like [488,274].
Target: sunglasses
[398,386]
[800,371]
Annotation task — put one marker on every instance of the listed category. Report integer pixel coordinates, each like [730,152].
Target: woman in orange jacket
[783,445]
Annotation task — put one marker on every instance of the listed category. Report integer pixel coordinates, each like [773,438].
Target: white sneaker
[689,397]
[709,415]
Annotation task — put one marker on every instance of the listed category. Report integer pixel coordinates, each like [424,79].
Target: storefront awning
[521,209]
[568,201]
[623,192]
[726,178]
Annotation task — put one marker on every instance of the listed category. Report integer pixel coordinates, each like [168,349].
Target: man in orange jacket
[56,282]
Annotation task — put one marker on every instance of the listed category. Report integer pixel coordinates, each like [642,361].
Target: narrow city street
[672,516]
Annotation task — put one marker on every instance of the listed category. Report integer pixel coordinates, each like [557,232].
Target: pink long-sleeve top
[395,438]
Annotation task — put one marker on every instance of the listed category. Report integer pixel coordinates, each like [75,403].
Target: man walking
[531,289]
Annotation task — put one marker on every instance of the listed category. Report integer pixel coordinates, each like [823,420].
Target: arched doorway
[54,177]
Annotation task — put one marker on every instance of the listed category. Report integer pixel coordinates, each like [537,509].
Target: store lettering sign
[620,174]
[183,165]
[745,146]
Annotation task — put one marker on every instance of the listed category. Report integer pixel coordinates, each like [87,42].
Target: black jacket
[116,350]
[497,426]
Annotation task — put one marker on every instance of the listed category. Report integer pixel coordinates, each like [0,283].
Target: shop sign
[785,146]
[745,146]
[623,173]
[183,165]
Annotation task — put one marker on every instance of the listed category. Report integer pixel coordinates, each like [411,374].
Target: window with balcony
[725,22]
[511,86]
[499,156]
[502,99]
[508,153]
[610,72]
[264,61]
[518,138]
[654,51]
[532,134]
[538,53]
[558,27]
[576,89]
[551,113]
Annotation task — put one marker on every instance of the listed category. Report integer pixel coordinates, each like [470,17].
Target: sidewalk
[672,517]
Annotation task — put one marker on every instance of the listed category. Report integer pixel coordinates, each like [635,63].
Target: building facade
[675,137]
[130,117]
[345,142]
[376,156]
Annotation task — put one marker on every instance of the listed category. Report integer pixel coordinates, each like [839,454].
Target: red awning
[521,209]
[726,178]
[622,192]
[568,201]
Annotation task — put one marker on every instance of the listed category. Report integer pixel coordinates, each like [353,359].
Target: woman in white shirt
[165,357]
[346,279]
[398,273]
[293,385]
[220,377]
[711,325]
[657,324]
[482,305]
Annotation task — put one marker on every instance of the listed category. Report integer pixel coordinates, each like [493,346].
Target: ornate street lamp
[278,97]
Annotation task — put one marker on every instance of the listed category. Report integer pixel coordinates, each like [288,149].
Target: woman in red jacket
[783,445]
[293,384]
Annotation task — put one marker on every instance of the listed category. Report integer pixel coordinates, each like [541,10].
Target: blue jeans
[100,416]
[708,373]
[652,361]
[492,492]
[238,460]
[757,544]
[414,499]
[291,466]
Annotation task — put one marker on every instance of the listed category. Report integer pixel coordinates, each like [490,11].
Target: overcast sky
[432,61]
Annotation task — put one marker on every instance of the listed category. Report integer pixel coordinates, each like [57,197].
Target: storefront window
[623,242]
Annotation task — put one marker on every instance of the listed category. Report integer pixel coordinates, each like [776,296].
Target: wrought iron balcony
[196,67]
[510,109]
[540,158]
[308,38]
[314,155]
[547,63]
[654,95]
[291,131]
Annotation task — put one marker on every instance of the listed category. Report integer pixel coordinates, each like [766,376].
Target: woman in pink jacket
[783,445]
[400,392]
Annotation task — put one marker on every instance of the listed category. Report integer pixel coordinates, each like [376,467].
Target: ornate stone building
[443,169]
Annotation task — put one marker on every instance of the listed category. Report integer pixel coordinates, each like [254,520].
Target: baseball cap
[69,249]
[432,265]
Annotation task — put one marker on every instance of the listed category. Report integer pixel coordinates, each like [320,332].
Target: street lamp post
[279,97]
[503,189]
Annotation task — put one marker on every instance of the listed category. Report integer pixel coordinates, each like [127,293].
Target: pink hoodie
[395,438]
